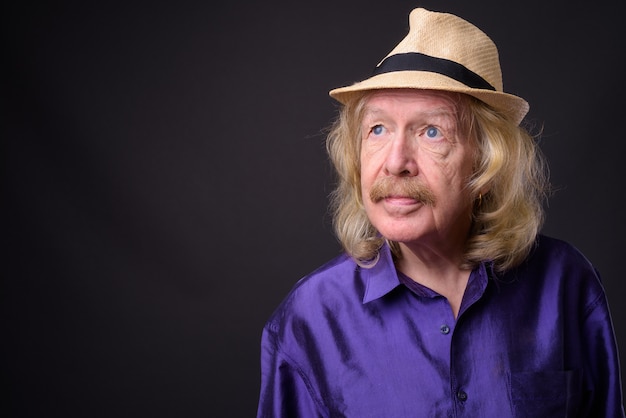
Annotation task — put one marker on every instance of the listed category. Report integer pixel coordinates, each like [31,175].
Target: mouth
[403,192]
[401,200]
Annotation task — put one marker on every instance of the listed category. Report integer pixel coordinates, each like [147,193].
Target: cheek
[367,172]
[454,172]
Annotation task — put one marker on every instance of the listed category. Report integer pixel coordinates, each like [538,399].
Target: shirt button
[444,329]
[461,395]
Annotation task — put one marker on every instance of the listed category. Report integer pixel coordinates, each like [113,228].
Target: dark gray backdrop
[164,180]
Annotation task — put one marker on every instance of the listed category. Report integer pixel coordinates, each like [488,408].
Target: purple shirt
[353,342]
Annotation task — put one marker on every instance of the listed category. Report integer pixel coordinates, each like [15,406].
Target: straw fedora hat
[442,52]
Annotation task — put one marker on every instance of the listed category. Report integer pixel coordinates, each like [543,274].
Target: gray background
[164,181]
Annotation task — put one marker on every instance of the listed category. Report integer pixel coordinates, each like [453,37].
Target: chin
[403,235]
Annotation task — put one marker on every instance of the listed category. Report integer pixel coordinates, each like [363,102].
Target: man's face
[415,166]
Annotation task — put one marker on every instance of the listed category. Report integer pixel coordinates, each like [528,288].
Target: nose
[401,158]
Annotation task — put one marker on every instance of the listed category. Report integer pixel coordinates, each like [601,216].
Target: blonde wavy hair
[508,163]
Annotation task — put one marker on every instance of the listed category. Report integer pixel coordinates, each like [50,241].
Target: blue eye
[377,130]
[432,132]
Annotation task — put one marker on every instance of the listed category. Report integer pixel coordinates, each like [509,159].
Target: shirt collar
[382,278]
[478,280]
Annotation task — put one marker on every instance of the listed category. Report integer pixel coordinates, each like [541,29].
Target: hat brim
[514,106]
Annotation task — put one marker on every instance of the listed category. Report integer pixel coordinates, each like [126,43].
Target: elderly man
[448,301]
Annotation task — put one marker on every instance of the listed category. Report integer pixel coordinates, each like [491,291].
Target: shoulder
[556,258]
[335,275]
[335,282]
[559,251]
[557,265]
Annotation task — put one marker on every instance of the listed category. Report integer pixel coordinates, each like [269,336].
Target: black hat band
[415,61]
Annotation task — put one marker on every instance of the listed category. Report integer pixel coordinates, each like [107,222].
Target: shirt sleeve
[602,361]
[285,391]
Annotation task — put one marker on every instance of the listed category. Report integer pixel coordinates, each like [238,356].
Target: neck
[439,272]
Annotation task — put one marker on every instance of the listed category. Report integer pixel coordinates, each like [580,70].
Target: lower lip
[401,201]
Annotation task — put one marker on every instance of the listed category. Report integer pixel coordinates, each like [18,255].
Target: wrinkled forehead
[450,96]
[428,101]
